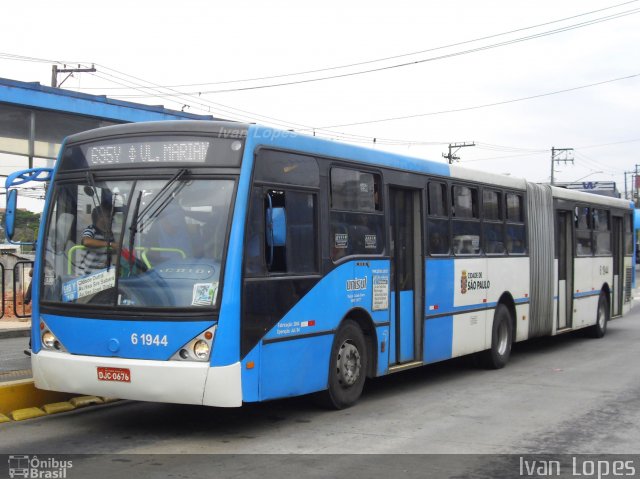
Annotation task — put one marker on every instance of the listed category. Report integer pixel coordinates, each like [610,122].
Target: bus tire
[347,367]
[501,340]
[599,329]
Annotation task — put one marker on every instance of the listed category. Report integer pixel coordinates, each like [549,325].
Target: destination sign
[147,152]
[154,151]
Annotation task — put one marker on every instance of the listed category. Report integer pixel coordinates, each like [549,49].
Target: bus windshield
[145,243]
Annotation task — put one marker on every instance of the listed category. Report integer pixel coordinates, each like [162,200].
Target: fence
[16,290]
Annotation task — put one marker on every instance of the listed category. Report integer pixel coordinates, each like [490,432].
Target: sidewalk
[15,328]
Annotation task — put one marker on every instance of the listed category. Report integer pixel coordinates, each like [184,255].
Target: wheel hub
[503,338]
[348,364]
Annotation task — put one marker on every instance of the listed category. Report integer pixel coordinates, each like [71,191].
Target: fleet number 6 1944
[146,339]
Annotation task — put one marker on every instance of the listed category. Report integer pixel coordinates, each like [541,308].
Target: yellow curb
[23,394]
[108,400]
[27,413]
[57,407]
[4,418]
[85,401]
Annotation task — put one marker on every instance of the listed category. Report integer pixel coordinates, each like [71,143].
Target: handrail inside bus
[141,249]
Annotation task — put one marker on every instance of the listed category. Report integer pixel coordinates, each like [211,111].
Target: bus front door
[405,343]
[565,269]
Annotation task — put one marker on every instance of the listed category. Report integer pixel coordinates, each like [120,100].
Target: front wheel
[347,367]
[599,329]
[501,340]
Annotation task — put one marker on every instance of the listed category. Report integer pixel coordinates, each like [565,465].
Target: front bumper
[158,381]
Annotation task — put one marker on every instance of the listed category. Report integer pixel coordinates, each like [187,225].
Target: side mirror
[10,214]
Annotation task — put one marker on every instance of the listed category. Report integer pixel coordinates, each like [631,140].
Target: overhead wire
[487,105]
[363,138]
[209,106]
[415,62]
[403,55]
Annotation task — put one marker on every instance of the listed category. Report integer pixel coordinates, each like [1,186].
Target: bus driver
[99,241]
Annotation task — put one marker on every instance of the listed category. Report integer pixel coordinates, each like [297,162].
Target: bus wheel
[501,340]
[600,328]
[347,367]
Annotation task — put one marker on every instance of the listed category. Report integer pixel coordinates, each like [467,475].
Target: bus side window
[516,237]
[290,232]
[438,223]
[254,264]
[493,222]
[356,219]
[602,231]
[583,223]
[465,227]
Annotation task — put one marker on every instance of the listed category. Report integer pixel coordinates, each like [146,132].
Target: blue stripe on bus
[462,309]
[438,339]
[293,368]
[258,135]
[227,348]
[113,338]
[392,328]
[300,333]
[439,285]
[407,327]
[35,281]
[251,376]
[586,294]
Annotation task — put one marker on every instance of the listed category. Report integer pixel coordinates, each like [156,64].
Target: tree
[26,225]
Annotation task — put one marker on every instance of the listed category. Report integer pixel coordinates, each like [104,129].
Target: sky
[430,58]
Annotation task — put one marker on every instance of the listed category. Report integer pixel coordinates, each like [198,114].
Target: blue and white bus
[218,263]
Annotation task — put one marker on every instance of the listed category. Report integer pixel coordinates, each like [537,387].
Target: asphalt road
[564,395]
[14,364]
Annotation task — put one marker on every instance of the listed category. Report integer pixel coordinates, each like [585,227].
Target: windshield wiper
[161,196]
[133,229]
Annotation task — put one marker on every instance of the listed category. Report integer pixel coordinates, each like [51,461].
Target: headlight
[48,340]
[201,349]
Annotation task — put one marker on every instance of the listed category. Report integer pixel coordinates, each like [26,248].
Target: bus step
[564,330]
[401,367]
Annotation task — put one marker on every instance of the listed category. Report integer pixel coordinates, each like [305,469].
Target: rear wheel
[599,329]
[347,367]
[501,340]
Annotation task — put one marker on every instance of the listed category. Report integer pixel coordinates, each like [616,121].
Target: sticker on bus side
[380,301]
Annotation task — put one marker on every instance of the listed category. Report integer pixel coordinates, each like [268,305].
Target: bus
[220,263]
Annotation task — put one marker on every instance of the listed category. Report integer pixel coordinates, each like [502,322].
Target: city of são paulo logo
[473,281]
[38,468]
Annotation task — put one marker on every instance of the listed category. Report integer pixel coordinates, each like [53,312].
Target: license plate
[122,375]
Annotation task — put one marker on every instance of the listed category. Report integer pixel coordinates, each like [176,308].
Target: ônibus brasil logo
[37,468]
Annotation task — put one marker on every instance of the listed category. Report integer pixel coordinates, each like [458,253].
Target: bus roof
[271,137]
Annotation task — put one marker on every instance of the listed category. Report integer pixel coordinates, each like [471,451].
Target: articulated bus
[218,263]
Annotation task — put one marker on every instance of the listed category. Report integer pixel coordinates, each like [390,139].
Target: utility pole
[560,152]
[626,196]
[631,193]
[635,186]
[55,71]
[452,154]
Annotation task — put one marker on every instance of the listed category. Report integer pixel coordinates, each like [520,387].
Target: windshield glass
[137,243]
